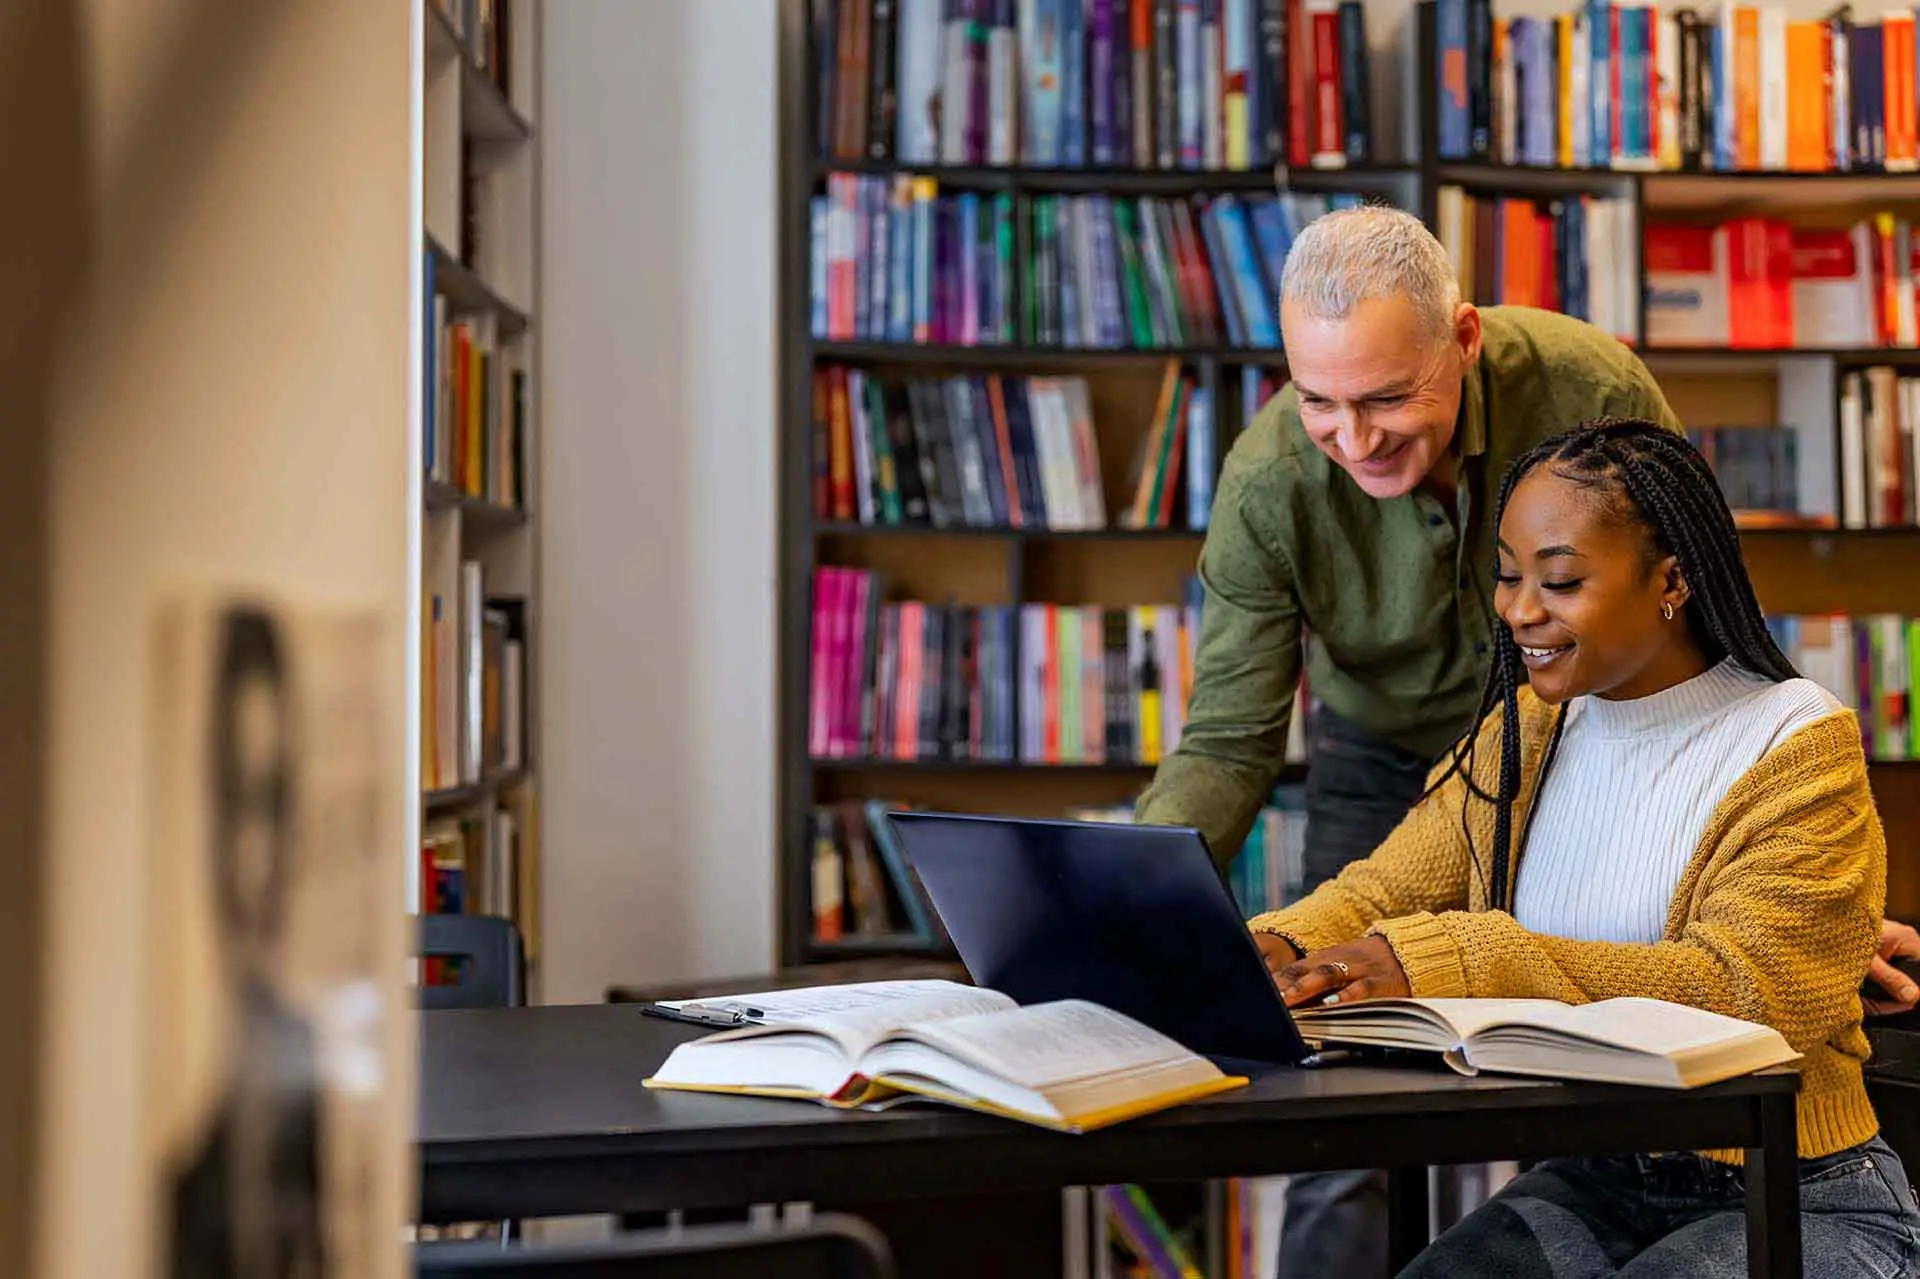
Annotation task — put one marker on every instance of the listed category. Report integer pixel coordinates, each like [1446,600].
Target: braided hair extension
[1655,478]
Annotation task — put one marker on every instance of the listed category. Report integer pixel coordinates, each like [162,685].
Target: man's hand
[1355,970]
[1897,941]
[1277,951]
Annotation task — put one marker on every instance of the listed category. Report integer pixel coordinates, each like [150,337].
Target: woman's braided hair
[1654,477]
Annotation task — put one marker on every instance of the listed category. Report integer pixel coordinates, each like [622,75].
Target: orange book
[840,449]
[1807,106]
[1746,86]
[997,401]
[1903,146]
[1563,35]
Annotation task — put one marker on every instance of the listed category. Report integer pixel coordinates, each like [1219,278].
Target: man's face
[1378,394]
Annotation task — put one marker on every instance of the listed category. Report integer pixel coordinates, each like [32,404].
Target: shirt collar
[1472,428]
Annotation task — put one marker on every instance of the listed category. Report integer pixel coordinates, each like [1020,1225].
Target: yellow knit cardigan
[1774,920]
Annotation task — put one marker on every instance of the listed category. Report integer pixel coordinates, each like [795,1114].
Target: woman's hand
[1343,974]
[1277,951]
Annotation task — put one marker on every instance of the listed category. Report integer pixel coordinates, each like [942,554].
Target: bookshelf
[1857,572]
[479,608]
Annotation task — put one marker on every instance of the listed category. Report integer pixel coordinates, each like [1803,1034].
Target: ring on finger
[1340,966]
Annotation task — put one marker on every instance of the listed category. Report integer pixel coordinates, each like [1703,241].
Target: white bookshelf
[479,174]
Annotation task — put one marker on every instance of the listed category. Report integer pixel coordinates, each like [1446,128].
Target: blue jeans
[1358,789]
[1679,1216]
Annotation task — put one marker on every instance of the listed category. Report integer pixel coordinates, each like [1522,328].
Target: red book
[1329,121]
[1749,318]
[1780,281]
[1300,98]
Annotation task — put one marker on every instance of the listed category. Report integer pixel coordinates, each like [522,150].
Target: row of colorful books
[1573,254]
[1879,456]
[1870,663]
[894,260]
[473,677]
[1763,282]
[1623,84]
[475,411]
[1145,84]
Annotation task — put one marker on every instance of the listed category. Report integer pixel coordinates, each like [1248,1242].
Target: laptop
[1132,917]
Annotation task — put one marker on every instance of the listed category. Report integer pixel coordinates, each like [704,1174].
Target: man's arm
[1245,672]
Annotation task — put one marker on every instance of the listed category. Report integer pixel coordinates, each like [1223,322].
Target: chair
[489,972]
[830,1246]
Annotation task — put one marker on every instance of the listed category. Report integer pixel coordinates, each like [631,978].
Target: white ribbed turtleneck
[1632,786]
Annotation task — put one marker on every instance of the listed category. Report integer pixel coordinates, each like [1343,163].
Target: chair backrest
[831,1246]
[488,971]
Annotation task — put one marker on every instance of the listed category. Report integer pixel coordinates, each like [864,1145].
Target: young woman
[1654,804]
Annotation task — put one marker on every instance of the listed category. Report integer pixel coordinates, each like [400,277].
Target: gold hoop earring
[1666,609]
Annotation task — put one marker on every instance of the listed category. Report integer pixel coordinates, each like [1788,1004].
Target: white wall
[658,581]
[230,404]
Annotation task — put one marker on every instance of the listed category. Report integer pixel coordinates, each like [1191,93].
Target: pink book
[1093,686]
[819,725]
[836,660]
[853,687]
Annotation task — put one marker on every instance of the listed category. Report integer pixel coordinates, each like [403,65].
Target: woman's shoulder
[1781,708]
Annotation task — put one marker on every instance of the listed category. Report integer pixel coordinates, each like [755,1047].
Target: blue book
[917,26]
[1450,48]
[1100,48]
[817,282]
[1040,96]
[968,236]
[1250,402]
[862,258]
[1066,240]
[1600,81]
[906,885]
[1110,322]
[1073,85]
[1222,282]
[1270,232]
[901,262]
[1256,308]
[1200,451]
[1187,56]
[922,285]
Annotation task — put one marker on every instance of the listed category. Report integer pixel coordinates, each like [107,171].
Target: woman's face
[1581,588]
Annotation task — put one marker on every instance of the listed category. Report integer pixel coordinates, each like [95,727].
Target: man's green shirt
[1398,595]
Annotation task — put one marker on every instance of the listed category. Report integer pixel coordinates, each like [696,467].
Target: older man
[1357,507]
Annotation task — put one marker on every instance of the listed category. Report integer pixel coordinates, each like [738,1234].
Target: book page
[1652,1026]
[858,1016]
[1051,1043]
[1416,1023]
[778,1006]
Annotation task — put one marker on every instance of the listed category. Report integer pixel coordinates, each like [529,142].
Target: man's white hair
[1350,256]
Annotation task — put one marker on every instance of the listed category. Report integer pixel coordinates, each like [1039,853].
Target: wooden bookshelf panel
[1798,194]
[1110,575]
[1850,573]
[958,570]
[1019,792]
[1744,397]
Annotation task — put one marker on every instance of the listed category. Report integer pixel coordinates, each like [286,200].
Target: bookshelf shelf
[1293,773]
[466,291]
[486,114]
[477,511]
[1128,181]
[1024,356]
[1012,534]
[455,797]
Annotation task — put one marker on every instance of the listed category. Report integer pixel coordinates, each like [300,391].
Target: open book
[1067,1065]
[1621,1041]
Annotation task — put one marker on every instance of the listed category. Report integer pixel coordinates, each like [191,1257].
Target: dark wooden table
[529,1112]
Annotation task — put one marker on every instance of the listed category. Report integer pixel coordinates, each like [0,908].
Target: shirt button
[1464,582]
[1434,521]
[1480,647]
